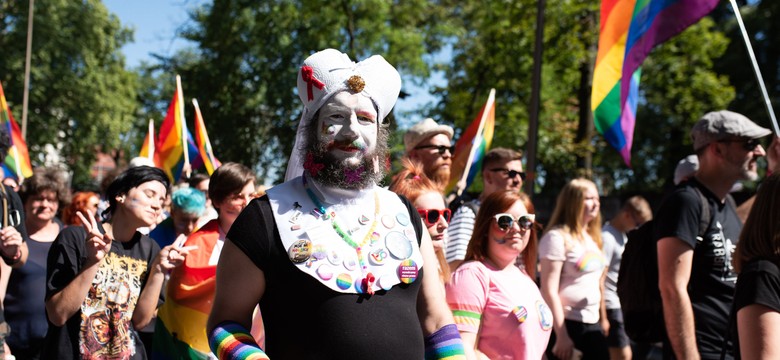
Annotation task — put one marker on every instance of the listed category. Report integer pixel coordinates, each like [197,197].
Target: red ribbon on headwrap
[307,73]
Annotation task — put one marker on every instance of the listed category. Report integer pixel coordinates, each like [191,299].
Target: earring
[121,200]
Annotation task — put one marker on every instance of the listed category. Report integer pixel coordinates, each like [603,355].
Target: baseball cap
[722,125]
[423,130]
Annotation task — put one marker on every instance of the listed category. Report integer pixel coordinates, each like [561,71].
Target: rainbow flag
[472,146]
[17,162]
[147,149]
[202,140]
[628,32]
[180,331]
[170,153]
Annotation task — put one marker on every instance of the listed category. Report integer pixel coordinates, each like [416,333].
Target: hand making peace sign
[98,245]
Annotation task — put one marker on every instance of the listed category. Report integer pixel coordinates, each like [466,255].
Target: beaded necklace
[368,277]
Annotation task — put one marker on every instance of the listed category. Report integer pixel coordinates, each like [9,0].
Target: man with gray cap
[696,278]
[429,144]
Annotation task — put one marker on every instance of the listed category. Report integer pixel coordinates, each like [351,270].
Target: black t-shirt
[102,328]
[758,283]
[304,319]
[712,281]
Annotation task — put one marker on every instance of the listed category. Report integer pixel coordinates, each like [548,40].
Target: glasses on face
[242,197]
[510,173]
[439,148]
[431,216]
[747,144]
[505,221]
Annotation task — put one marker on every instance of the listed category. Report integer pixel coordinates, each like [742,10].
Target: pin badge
[363,220]
[344,281]
[378,256]
[402,219]
[399,245]
[407,271]
[388,221]
[300,251]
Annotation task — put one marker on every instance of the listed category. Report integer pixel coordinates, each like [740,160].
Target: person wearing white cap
[696,278]
[430,144]
[338,264]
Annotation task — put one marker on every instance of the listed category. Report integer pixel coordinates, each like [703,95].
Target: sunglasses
[747,144]
[431,216]
[510,173]
[439,148]
[506,221]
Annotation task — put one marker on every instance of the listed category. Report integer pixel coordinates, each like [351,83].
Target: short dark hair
[500,155]
[196,179]
[129,179]
[227,180]
[45,179]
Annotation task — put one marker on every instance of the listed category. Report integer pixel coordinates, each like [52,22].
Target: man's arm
[675,258]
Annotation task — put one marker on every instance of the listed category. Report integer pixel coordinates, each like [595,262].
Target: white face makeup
[347,124]
[145,201]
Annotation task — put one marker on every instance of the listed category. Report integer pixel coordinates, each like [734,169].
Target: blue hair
[189,200]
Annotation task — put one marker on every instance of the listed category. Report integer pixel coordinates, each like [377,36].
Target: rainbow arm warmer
[230,340]
[445,343]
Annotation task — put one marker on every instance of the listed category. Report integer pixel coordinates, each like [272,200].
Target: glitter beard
[333,171]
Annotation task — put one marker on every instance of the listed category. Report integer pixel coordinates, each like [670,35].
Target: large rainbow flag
[472,146]
[17,162]
[180,331]
[169,148]
[202,140]
[629,30]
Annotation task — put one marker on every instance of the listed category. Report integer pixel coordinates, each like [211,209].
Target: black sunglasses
[510,173]
[440,148]
[431,216]
[747,144]
[505,221]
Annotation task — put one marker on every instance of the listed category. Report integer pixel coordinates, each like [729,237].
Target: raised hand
[10,242]
[98,245]
[173,255]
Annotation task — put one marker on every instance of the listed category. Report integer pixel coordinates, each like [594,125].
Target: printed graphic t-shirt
[515,321]
[102,327]
[583,264]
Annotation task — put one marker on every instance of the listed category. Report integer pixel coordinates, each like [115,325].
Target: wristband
[445,343]
[230,340]
[13,260]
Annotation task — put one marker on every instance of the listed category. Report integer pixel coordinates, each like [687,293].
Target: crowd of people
[332,265]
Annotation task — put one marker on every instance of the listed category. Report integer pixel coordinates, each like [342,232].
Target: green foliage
[81,96]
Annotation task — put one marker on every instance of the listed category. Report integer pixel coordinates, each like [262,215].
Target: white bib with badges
[347,244]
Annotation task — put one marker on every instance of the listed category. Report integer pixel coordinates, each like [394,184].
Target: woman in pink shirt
[497,306]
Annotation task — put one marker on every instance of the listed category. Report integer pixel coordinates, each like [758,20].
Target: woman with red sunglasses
[497,306]
[425,195]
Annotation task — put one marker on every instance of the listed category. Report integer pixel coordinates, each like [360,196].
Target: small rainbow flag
[17,162]
[147,149]
[202,140]
[628,32]
[170,153]
[472,146]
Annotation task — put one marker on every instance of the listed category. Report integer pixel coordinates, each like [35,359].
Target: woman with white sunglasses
[497,306]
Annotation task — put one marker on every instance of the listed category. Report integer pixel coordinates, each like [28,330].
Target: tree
[248,54]
[81,95]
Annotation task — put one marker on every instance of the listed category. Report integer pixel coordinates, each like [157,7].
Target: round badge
[344,281]
[374,238]
[388,221]
[402,219]
[325,272]
[319,252]
[300,251]
[363,220]
[350,264]
[545,315]
[359,286]
[387,281]
[520,313]
[378,256]
[407,271]
[334,257]
[398,245]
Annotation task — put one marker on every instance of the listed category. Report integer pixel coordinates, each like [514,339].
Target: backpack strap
[706,213]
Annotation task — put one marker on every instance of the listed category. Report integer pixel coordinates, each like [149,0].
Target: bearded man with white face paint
[341,268]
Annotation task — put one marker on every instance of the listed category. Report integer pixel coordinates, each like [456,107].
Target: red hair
[79,203]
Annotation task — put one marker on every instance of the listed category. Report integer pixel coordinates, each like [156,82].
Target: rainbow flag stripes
[169,148]
[230,340]
[444,344]
[629,30]
[472,146]
[467,317]
[17,162]
[202,140]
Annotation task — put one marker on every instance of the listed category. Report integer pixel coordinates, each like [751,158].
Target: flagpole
[756,70]
[184,145]
[464,179]
[150,146]
[27,56]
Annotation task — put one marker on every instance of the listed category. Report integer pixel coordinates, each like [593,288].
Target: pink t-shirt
[516,322]
[583,265]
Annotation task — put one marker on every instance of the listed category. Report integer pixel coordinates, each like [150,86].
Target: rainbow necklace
[368,277]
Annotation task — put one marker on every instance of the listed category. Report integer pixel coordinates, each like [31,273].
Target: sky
[156,23]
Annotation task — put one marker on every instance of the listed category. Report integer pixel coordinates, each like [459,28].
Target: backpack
[637,286]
